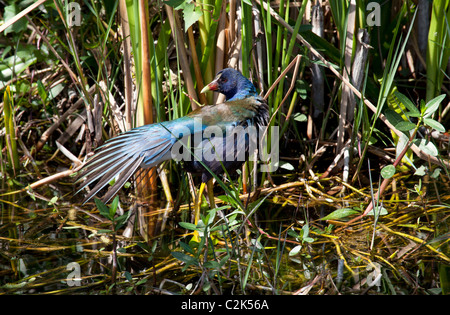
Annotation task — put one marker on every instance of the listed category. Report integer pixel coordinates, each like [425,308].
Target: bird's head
[232,84]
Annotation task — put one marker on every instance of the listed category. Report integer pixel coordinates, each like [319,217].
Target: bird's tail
[120,157]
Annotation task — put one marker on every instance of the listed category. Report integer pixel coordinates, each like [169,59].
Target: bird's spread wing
[120,157]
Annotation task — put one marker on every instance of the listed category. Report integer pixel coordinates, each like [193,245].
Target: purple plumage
[224,134]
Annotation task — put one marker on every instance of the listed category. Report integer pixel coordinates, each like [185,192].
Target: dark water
[63,248]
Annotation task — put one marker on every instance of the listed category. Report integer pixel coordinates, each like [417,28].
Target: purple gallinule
[149,145]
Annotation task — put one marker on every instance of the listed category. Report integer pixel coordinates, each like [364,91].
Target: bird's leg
[210,191]
[197,206]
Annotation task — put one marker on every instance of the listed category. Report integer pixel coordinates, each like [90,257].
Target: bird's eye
[224,80]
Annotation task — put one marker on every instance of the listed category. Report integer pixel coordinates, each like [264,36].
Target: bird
[149,145]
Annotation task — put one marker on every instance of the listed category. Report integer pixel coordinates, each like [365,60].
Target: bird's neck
[244,90]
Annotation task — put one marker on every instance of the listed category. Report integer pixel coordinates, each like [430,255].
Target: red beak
[213,86]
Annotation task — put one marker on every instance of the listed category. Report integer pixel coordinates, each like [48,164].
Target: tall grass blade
[438,49]
[10,130]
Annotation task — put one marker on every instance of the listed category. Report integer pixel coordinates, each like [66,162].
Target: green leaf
[426,146]
[188,226]
[16,64]
[295,250]
[224,260]
[422,105]
[405,126]
[305,231]
[53,200]
[225,198]
[212,264]
[388,171]
[127,185]
[286,165]
[413,114]
[378,211]
[300,117]
[55,91]
[186,248]
[433,105]
[339,214]
[121,220]
[142,281]
[393,117]
[421,171]
[408,104]
[144,246]
[20,25]
[209,219]
[113,207]
[293,234]
[302,89]
[128,276]
[192,13]
[122,250]
[403,141]
[102,208]
[41,91]
[187,259]
[436,173]
[434,124]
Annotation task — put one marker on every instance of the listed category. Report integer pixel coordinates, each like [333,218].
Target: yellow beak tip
[205,89]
